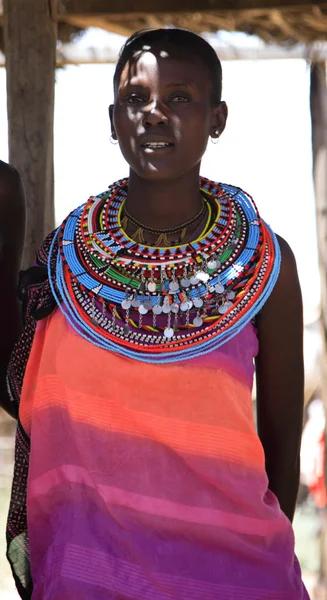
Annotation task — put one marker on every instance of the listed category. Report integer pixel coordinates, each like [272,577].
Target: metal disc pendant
[219,288]
[169,332]
[212,264]
[222,309]
[173,286]
[197,322]
[142,309]
[135,302]
[185,283]
[166,308]
[231,295]
[198,302]
[194,280]
[184,306]
[225,307]
[202,276]
[157,309]
[147,304]
[174,308]
[126,304]
[190,304]
[152,286]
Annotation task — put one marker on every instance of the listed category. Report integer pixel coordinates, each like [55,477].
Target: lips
[153,143]
[156,145]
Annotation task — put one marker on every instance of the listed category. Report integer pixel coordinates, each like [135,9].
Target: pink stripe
[155,506]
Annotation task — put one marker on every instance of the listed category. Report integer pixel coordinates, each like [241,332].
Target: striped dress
[147,482]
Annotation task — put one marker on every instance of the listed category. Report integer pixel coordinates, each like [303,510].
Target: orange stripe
[181,436]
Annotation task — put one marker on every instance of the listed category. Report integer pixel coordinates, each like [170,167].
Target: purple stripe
[75,515]
[103,574]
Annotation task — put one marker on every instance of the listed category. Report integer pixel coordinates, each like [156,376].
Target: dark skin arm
[12,231]
[280,382]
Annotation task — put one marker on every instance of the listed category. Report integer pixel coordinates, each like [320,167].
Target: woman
[12,230]
[146,476]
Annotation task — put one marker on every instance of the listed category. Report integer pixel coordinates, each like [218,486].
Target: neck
[161,205]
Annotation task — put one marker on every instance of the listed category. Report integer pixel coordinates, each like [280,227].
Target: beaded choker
[163,304]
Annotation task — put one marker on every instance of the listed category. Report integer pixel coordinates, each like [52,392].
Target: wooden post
[30,35]
[318,103]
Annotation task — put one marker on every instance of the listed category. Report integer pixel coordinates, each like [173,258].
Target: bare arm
[12,231]
[280,382]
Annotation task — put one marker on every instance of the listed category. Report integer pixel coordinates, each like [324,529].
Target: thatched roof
[285,21]
[272,20]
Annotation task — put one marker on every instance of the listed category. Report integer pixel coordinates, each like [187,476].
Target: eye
[180,98]
[134,98]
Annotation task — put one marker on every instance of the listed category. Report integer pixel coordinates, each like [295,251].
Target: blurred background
[267,149]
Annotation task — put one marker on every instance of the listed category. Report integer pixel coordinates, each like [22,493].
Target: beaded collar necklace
[163,304]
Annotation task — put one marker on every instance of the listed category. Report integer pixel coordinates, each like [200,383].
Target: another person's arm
[12,231]
[280,382]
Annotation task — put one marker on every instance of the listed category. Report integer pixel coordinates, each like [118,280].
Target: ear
[111,117]
[219,118]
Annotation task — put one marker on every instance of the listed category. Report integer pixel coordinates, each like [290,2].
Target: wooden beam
[318,102]
[30,43]
[118,7]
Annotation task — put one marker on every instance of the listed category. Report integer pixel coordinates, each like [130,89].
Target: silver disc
[231,295]
[194,280]
[174,307]
[185,283]
[173,286]
[126,304]
[147,304]
[184,306]
[219,288]
[190,304]
[212,264]
[166,309]
[198,302]
[152,286]
[197,322]
[142,309]
[169,332]
[135,302]
[222,309]
[157,309]
[202,276]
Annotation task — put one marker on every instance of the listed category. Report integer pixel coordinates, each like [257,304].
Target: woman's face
[163,115]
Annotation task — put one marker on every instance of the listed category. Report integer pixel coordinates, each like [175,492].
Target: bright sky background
[265,149]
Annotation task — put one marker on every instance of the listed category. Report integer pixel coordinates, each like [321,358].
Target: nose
[154,114]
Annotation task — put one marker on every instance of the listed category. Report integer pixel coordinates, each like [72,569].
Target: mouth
[156,146]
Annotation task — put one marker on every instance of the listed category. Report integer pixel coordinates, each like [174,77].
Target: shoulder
[12,197]
[284,306]
[10,180]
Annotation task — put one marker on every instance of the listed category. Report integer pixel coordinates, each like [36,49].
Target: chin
[158,175]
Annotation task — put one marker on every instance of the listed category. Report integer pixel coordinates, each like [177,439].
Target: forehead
[161,66]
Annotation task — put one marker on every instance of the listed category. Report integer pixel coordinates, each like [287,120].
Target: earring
[217,134]
[113,141]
